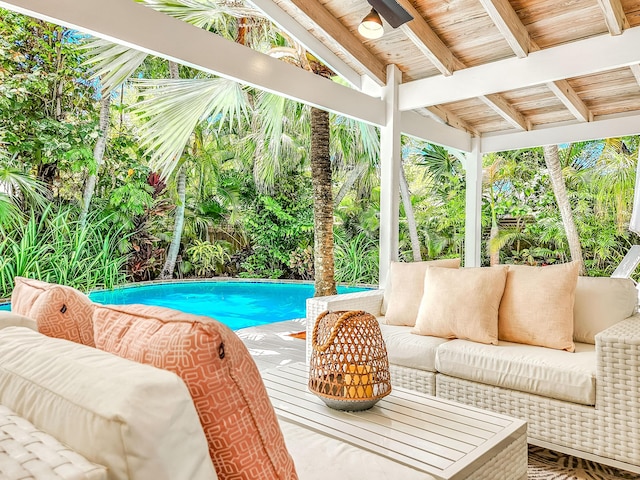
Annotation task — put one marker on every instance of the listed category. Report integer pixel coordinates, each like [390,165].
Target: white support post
[390,164]
[473,208]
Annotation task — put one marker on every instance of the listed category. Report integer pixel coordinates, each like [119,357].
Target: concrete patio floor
[272,345]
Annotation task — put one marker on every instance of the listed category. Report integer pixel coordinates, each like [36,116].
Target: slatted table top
[445,439]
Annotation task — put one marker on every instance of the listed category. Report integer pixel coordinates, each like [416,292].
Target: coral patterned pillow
[60,311]
[245,440]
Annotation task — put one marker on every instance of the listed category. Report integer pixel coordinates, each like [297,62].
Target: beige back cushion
[137,420]
[537,305]
[404,290]
[461,303]
[601,302]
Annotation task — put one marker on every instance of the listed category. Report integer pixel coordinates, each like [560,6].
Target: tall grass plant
[52,246]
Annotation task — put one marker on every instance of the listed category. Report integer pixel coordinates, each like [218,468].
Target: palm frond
[170,110]
[113,64]
[203,13]
[17,184]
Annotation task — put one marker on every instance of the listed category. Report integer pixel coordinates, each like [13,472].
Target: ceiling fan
[391,11]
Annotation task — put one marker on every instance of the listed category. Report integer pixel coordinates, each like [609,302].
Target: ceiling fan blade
[391,11]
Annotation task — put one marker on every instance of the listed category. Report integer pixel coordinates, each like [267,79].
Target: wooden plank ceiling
[447,36]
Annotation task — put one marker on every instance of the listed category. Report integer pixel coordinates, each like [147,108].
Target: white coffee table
[446,440]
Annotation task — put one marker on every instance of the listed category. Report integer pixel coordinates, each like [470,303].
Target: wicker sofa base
[579,430]
[413,379]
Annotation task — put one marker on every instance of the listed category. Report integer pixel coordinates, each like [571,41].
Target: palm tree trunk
[494,252]
[174,248]
[560,190]
[98,155]
[325,283]
[411,219]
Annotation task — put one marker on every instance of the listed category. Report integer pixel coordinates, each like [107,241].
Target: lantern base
[349,405]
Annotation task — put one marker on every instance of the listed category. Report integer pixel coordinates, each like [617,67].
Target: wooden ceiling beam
[443,115]
[352,45]
[506,111]
[614,16]
[428,42]
[568,96]
[510,25]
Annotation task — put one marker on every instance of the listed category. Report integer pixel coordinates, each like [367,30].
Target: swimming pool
[236,304]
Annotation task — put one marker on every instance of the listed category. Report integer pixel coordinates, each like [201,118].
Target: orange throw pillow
[245,440]
[60,311]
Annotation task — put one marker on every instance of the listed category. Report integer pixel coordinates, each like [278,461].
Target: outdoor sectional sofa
[132,393]
[585,402]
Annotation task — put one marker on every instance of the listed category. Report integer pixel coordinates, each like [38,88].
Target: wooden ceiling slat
[507,21]
[614,16]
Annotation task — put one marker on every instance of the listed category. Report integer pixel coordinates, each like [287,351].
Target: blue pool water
[237,304]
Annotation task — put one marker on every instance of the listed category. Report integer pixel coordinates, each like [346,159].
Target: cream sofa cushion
[461,303]
[137,420]
[601,302]
[542,371]
[10,319]
[537,305]
[404,289]
[413,351]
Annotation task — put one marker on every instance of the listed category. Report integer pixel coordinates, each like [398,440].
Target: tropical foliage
[237,163]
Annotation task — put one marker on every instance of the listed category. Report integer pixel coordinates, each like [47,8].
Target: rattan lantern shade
[349,367]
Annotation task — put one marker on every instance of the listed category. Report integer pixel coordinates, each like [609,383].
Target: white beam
[605,52]
[390,165]
[473,206]
[136,26]
[288,24]
[415,125]
[615,126]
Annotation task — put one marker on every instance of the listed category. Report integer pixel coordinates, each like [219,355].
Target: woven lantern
[349,368]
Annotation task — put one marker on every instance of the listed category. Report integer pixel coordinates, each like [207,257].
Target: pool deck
[272,345]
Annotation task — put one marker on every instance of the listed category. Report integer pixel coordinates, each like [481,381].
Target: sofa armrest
[618,372]
[370,301]
[9,319]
